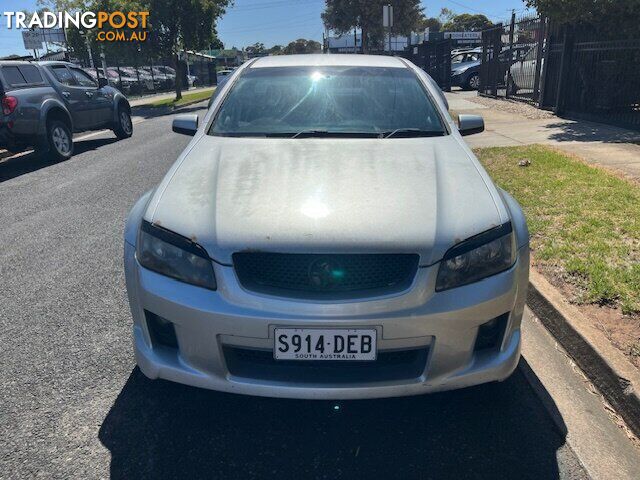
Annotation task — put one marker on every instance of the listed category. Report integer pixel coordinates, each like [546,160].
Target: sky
[275,21]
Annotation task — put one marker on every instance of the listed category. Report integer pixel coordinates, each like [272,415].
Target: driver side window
[83,78]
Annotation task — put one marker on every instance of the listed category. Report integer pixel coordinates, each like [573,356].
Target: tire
[59,140]
[124,126]
[473,82]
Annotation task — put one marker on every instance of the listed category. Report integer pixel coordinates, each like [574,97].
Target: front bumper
[444,324]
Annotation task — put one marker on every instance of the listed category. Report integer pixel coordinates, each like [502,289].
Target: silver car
[327,233]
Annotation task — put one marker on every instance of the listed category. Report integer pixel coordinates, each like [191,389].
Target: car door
[74,96]
[99,100]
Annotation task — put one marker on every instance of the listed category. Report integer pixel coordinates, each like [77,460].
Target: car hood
[419,195]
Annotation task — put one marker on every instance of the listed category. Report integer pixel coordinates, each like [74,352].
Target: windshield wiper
[329,133]
[311,133]
[412,132]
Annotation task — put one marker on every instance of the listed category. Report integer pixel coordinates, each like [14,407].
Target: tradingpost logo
[112,26]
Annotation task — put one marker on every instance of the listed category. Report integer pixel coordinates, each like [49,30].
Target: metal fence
[435,59]
[512,59]
[564,69]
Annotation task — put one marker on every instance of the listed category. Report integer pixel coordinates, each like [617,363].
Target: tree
[620,17]
[343,16]
[177,25]
[216,44]
[173,26]
[276,50]
[446,14]
[302,46]
[467,22]
[432,23]
[255,49]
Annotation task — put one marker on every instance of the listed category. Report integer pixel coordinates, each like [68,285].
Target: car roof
[15,62]
[54,62]
[328,60]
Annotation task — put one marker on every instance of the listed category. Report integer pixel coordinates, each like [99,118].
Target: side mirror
[185,124]
[470,124]
[102,82]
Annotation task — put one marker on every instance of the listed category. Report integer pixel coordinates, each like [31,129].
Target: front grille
[325,276]
[390,366]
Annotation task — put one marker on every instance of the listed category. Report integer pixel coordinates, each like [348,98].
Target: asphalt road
[73,405]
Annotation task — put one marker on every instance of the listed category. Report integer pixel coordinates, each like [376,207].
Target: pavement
[73,404]
[605,145]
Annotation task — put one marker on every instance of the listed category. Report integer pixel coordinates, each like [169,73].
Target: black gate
[574,70]
[512,59]
[435,59]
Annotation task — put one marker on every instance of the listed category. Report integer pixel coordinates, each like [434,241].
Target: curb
[606,367]
[172,108]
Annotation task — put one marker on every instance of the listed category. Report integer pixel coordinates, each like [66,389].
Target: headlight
[479,257]
[172,255]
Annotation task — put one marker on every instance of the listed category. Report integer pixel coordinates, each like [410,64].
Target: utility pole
[85,34]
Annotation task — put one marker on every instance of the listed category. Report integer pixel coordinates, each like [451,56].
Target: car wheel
[124,126]
[473,83]
[60,140]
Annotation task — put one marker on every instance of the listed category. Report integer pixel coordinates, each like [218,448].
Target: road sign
[387,16]
[52,35]
[32,39]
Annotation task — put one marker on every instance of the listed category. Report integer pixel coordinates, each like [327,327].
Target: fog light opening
[491,333]
[161,330]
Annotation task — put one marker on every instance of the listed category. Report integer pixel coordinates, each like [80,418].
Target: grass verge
[584,221]
[186,98]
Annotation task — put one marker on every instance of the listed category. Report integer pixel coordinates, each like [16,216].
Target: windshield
[358,101]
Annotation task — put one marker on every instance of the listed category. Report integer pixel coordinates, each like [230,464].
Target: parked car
[327,234]
[522,71]
[120,80]
[465,69]
[167,82]
[465,66]
[150,84]
[44,103]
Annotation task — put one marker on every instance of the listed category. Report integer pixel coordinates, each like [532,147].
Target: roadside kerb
[612,374]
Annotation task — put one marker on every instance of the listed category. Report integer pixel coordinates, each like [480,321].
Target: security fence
[562,68]
[434,58]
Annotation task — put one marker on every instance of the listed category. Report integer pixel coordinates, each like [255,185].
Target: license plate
[324,344]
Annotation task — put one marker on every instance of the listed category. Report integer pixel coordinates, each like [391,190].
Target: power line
[274,27]
[473,9]
[279,23]
[274,4]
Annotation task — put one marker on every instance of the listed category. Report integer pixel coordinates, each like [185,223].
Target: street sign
[387,16]
[463,35]
[32,39]
[52,35]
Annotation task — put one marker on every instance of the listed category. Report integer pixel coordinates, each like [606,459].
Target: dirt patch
[623,331]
